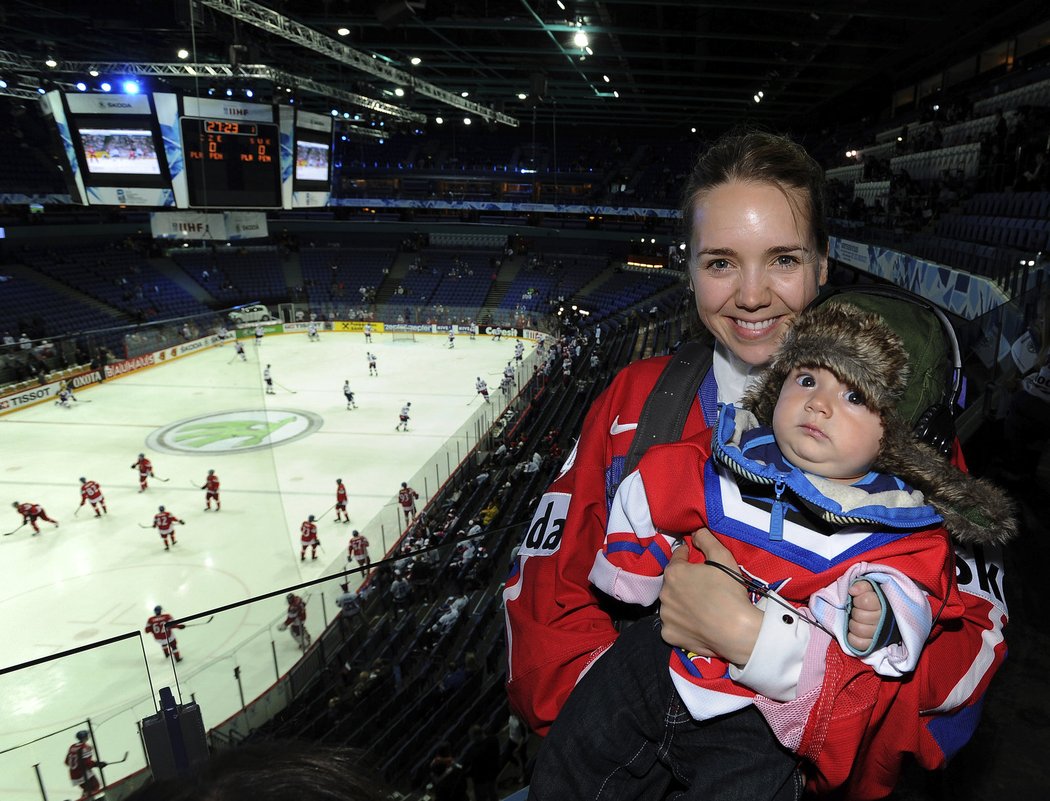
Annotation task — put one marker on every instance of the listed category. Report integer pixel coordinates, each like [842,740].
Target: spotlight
[335,113]
[343,31]
[416,61]
[3,83]
[131,87]
[522,95]
[93,73]
[81,86]
[580,39]
[399,91]
[466,120]
[183,53]
[249,93]
[439,120]
[605,78]
[464,94]
[51,62]
[229,93]
[105,86]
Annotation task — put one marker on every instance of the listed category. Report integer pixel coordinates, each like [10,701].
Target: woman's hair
[759,157]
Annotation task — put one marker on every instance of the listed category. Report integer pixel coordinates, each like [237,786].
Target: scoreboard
[231,163]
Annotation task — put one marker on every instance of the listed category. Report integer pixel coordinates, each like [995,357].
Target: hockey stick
[78,510]
[476,394]
[195,486]
[282,386]
[202,623]
[145,527]
[12,531]
[118,761]
[165,480]
[326,511]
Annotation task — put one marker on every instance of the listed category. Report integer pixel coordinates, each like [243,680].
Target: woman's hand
[705,611]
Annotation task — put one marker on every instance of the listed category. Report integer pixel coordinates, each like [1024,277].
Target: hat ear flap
[762,398]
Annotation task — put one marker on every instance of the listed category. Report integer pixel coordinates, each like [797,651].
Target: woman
[755,218]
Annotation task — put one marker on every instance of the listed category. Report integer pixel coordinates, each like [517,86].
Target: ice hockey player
[80,759]
[160,626]
[473,330]
[403,424]
[145,468]
[452,337]
[505,384]
[482,387]
[91,492]
[508,371]
[519,351]
[258,335]
[268,378]
[311,333]
[308,538]
[372,369]
[368,333]
[497,333]
[407,497]
[296,621]
[31,512]
[211,491]
[64,398]
[349,393]
[358,549]
[239,347]
[340,502]
[220,335]
[165,522]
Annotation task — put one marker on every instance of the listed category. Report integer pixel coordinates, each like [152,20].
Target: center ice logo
[234,432]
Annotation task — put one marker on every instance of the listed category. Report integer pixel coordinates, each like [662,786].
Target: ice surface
[93,579]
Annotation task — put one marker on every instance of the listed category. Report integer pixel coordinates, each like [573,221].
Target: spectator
[481,760]
[447,779]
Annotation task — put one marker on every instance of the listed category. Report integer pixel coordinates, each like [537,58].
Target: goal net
[403,336]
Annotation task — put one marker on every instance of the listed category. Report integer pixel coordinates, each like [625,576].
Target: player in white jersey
[268,378]
[519,351]
[497,334]
[403,424]
[239,347]
[349,395]
[258,335]
[483,388]
[220,335]
[368,333]
[372,369]
[451,338]
[508,371]
[311,333]
[473,330]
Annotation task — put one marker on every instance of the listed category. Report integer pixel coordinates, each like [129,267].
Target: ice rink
[93,579]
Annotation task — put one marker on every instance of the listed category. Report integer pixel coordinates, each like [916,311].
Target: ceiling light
[522,95]
[399,91]
[464,94]
[580,39]
[131,87]
[758,99]
[615,93]
[249,93]
[93,73]
[439,120]
[466,120]
[51,62]
[561,5]
[588,51]
[416,61]
[229,93]
[105,86]
[3,83]
[81,86]
[335,112]
[761,93]
[343,31]
[183,53]
[693,129]
[605,78]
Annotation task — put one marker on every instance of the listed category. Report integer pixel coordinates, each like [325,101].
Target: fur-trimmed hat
[861,350]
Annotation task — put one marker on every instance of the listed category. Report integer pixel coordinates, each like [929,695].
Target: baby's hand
[864,616]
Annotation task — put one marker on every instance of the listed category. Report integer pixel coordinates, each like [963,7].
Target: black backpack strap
[663,416]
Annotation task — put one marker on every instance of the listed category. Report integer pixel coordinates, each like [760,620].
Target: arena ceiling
[657,64]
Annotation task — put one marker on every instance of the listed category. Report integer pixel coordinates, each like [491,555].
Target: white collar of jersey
[733,375]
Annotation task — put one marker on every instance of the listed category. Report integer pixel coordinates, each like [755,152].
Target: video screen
[312,160]
[119,151]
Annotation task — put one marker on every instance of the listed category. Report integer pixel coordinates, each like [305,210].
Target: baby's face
[823,426]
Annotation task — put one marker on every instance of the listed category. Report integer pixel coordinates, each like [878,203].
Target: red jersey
[296,612]
[160,626]
[308,532]
[145,466]
[340,495]
[211,483]
[30,510]
[80,758]
[90,491]
[406,496]
[164,521]
[359,546]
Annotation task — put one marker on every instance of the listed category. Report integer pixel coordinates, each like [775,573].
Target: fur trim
[856,346]
[864,353]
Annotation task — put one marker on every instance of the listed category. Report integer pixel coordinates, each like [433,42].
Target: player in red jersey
[31,512]
[340,501]
[145,468]
[80,759]
[164,522]
[406,496]
[296,620]
[308,538]
[211,488]
[91,492]
[160,626]
[358,549]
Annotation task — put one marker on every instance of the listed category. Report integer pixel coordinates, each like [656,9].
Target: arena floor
[92,579]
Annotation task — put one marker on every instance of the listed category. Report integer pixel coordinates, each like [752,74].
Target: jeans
[624,735]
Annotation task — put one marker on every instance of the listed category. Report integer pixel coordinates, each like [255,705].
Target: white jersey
[266,374]
[258,330]
[312,329]
[508,372]
[481,385]
[519,349]
[371,360]
[404,412]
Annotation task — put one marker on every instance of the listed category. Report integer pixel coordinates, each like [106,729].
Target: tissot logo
[235,112]
[235,431]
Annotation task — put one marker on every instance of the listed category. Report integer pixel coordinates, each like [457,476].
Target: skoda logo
[234,432]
